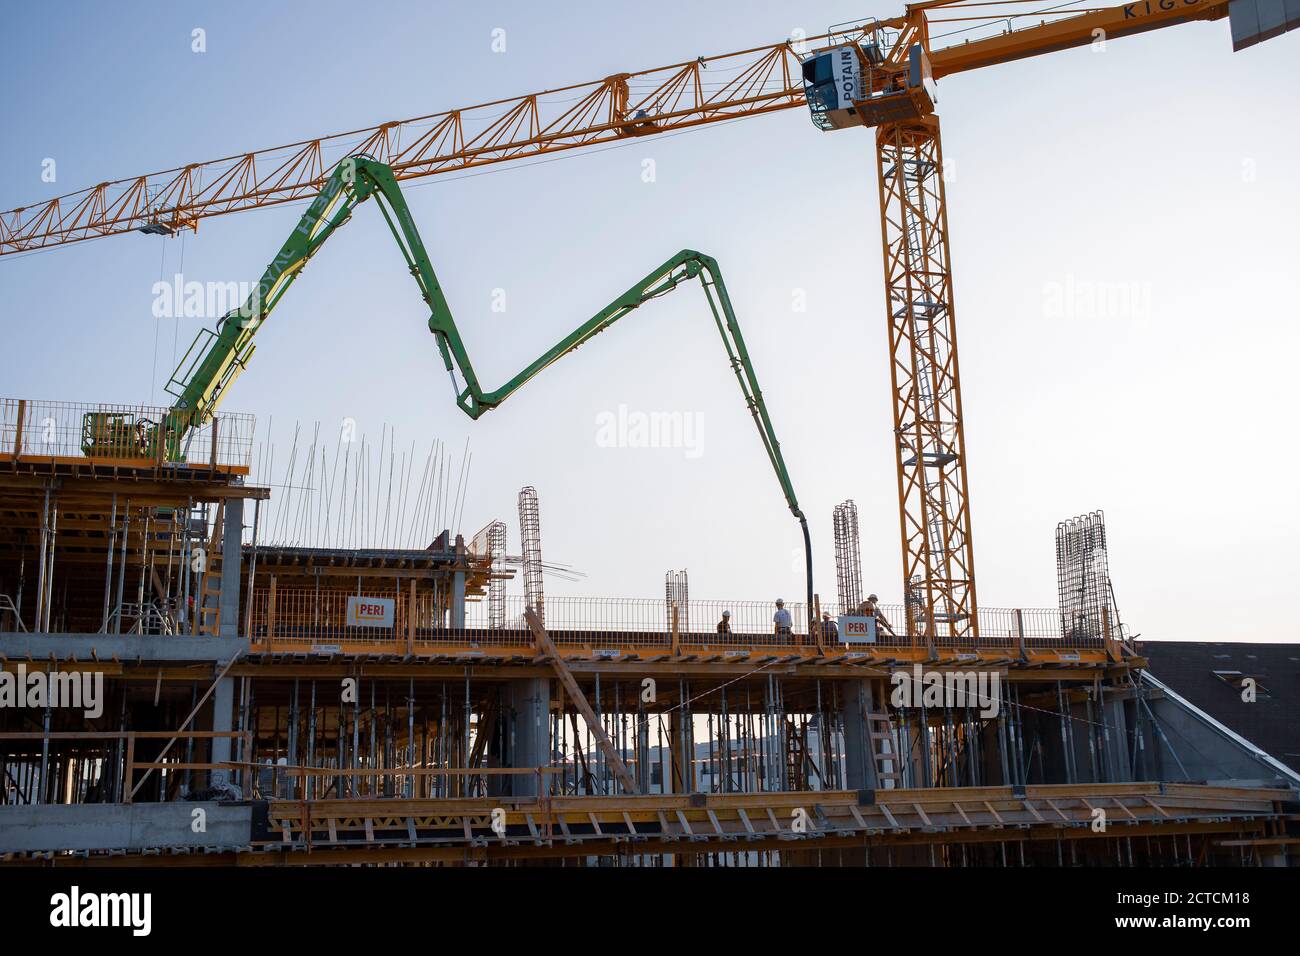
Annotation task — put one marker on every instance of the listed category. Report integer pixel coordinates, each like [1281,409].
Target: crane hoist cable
[216,358]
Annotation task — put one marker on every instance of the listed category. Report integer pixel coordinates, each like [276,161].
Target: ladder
[207,609]
[884,751]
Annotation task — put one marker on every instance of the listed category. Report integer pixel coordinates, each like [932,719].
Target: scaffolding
[623,731]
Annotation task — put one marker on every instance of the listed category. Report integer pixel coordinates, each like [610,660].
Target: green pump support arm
[201,383]
[215,359]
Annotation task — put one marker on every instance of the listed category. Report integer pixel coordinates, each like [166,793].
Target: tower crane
[879,74]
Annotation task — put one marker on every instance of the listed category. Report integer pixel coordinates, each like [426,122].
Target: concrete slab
[123,826]
[125,647]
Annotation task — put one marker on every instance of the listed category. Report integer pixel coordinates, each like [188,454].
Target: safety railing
[53,430]
[399,619]
[999,627]
[421,783]
[110,766]
[298,616]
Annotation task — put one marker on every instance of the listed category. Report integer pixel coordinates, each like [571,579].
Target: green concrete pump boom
[216,358]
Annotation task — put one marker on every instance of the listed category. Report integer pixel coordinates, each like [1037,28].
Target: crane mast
[880,75]
[930,447]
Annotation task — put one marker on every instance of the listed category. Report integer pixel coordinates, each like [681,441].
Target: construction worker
[724,626]
[142,436]
[781,619]
[871,608]
[830,630]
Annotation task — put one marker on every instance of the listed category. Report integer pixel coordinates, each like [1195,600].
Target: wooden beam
[18,430]
[180,730]
[547,647]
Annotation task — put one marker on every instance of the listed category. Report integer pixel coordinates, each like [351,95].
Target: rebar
[1083,579]
[848,560]
[530,535]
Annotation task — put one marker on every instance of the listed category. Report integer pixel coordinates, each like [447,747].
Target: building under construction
[356,705]
[368,698]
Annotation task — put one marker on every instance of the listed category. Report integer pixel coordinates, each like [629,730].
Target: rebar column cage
[677,595]
[530,536]
[496,542]
[1088,608]
[848,556]
[933,505]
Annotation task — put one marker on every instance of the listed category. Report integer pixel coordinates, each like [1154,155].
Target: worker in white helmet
[724,626]
[781,619]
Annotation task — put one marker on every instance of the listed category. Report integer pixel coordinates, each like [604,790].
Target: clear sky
[1123,239]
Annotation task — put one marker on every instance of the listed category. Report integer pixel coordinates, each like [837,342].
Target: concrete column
[532,731]
[231,555]
[223,701]
[1117,757]
[859,767]
[458,601]
[458,586]
[643,753]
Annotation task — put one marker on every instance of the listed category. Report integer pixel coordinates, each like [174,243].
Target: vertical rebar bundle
[677,595]
[1083,578]
[488,547]
[343,492]
[497,585]
[530,535]
[848,559]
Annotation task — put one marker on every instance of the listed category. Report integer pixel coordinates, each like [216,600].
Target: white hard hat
[872,597]
[780,600]
[726,614]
